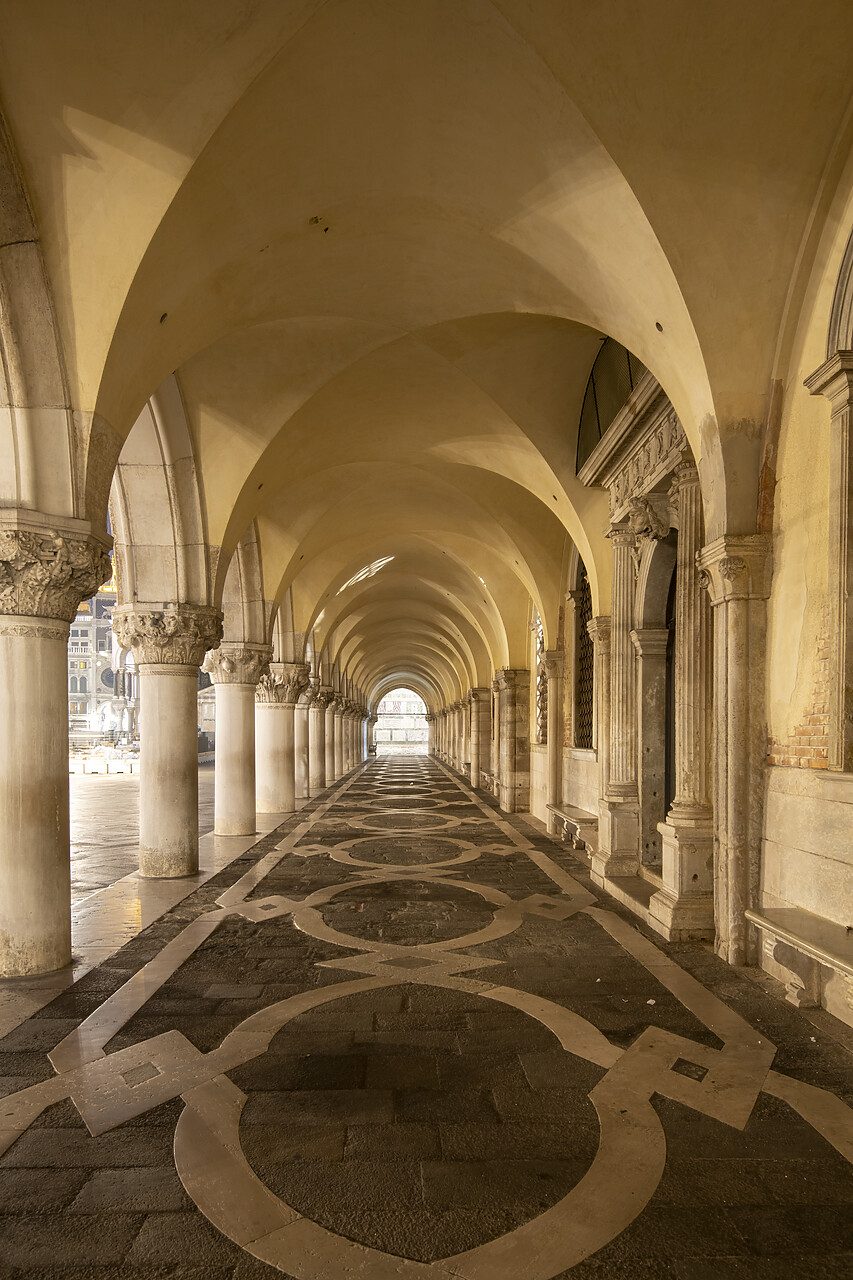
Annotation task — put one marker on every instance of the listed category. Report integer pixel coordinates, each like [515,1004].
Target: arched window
[584,666]
[73,684]
[84,686]
[614,375]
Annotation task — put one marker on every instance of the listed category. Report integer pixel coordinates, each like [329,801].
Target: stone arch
[839,334]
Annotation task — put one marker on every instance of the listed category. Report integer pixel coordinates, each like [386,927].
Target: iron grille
[585,669]
[541,685]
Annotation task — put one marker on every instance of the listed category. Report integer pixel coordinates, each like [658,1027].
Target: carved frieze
[178,634]
[45,574]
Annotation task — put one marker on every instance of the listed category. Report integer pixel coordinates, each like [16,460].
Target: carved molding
[178,634]
[10,625]
[234,663]
[45,574]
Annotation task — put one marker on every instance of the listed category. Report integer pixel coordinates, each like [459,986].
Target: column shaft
[35,892]
[554,793]
[234,776]
[168,770]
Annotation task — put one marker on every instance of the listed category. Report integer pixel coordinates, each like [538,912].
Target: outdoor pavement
[402,1036]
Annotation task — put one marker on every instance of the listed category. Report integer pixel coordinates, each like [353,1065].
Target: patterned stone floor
[402,1037]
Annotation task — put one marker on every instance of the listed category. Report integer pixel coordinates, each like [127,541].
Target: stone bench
[803,944]
[579,826]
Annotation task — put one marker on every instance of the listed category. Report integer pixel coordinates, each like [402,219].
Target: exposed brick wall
[807,746]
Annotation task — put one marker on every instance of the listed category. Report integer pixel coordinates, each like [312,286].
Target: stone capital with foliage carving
[283,684]
[176,635]
[323,697]
[235,663]
[45,573]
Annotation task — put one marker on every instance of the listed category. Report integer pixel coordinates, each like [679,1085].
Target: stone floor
[105,826]
[401,1036]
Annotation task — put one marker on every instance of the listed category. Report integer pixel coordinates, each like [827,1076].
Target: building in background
[402,726]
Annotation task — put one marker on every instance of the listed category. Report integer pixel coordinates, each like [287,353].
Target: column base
[618,852]
[684,906]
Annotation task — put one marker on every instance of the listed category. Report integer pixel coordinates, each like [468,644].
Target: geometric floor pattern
[403,1037]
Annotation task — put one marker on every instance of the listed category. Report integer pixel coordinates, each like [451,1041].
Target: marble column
[340,711]
[276,698]
[430,719]
[317,739]
[685,904]
[478,702]
[332,727]
[168,645]
[650,644]
[44,574]
[301,738]
[618,850]
[553,660]
[235,670]
[496,735]
[372,720]
[515,740]
[737,571]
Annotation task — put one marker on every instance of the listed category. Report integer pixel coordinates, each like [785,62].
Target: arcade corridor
[404,1026]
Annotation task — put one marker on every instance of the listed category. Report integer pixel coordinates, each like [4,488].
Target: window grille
[584,667]
[541,685]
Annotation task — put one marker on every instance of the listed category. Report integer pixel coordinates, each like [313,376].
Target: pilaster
[554,662]
[515,740]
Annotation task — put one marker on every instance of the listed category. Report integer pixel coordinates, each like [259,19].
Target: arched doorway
[401,728]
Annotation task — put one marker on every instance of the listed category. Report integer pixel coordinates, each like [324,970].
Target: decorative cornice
[834,379]
[45,573]
[178,634]
[736,568]
[235,663]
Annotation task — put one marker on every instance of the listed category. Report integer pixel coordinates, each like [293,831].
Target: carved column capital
[176,635]
[236,663]
[736,568]
[45,572]
[479,694]
[599,630]
[508,678]
[323,697]
[309,693]
[429,717]
[553,661]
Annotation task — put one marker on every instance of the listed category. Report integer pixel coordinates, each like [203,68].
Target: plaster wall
[580,779]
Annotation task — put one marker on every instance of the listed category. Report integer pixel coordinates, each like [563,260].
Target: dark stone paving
[418,1120]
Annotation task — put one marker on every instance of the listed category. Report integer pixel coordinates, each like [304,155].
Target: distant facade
[402,722]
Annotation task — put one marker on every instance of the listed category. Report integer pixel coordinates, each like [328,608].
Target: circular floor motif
[407,913]
[397,802]
[631,1155]
[427,853]
[403,821]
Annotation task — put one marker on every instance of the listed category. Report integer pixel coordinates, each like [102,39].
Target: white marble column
[235,670]
[685,904]
[44,574]
[317,739]
[478,703]
[515,740]
[737,571]
[618,853]
[430,719]
[372,720]
[168,645]
[277,695]
[332,728]
[340,723]
[496,735]
[554,793]
[301,738]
